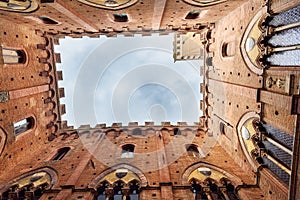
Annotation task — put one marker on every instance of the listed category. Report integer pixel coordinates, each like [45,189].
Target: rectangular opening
[128,79]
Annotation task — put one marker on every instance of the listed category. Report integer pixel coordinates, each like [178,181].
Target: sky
[127,79]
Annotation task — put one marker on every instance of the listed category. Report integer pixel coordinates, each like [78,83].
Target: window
[47,20]
[192,14]
[127,151]
[23,125]
[61,153]
[222,128]
[192,150]
[12,56]
[116,191]
[15,4]
[196,189]
[120,17]
[34,185]
[228,49]
[177,131]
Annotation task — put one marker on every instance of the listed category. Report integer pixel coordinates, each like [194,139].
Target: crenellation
[231,152]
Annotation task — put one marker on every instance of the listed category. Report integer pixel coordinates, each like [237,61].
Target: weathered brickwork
[46,158]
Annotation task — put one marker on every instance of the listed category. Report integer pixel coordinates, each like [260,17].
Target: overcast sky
[127,79]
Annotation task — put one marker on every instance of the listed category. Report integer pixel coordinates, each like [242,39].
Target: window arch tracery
[118,185]
[18,5]
[266,145]
[29,186]
[109,4]
[203,3]
[206,184]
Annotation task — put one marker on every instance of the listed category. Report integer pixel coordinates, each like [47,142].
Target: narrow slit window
[47,20]
[61,153]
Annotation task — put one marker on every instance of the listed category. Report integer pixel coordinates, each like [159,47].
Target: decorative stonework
[204,2]
[250,46]
[270,82]
[4,96]
[109,4]
[19,6]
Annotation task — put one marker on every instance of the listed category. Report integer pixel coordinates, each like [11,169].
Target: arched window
[23,125]
[61,153]
[228,49]
[17,5]
[118,194]
[134,190]
[177,131]
[118,191]
[13,56]
[127,151]
[101,191]
[196,189]
[32,186]
[192,150]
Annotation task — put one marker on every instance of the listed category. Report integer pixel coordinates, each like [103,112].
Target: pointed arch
[2,139]
[142,178]
[51,173]
[185,177]
[244,133]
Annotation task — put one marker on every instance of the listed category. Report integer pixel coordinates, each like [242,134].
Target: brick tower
[245,146]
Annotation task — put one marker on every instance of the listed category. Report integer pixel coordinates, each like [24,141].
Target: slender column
[207,193]
[109,193]
[223,190]
[125,192]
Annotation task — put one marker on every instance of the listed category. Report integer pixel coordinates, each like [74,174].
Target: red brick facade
[46,159]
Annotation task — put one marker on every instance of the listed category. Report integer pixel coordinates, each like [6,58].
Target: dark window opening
[228,49]
[47,20]
[222,128]
[193,14]
[12,56]
[23,125]
[120,17]
[177,131]
[118,194]
[61,153]
[127,151]
[192,150]
[137,131]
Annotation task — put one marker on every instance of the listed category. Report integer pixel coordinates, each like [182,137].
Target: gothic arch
[251,39]
[247,116]
[95,183]
[109,4]
[184,179]
[2,139]
[203,3]
[20,6]
[49,171]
